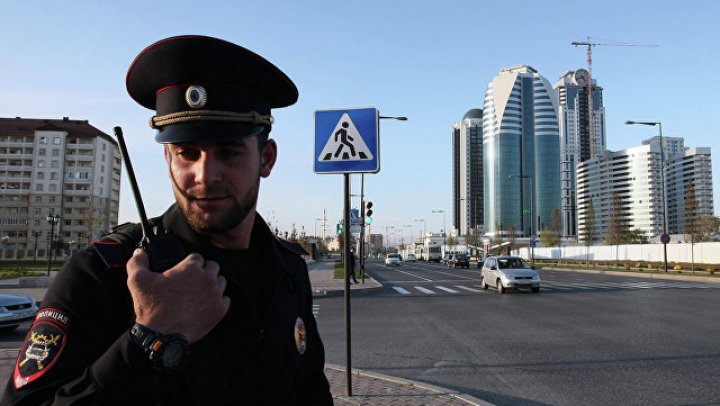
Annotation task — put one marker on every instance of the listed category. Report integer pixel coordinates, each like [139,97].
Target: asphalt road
[585,339]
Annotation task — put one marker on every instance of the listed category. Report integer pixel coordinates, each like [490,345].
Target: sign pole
[346,257]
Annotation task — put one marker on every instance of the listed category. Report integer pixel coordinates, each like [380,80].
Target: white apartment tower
[571,91]
[690,166]
[634,175]
[65,168]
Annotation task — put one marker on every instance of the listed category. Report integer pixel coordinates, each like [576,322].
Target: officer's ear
[268,156]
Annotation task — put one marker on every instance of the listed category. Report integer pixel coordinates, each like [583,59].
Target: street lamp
[52,219]
[423,230]
[35,234]
[665,238]
[444,230]
[316,222]
[403,234]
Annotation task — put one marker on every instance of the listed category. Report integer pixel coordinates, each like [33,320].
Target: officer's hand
[187,298]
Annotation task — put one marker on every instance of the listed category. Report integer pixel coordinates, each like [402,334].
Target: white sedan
[509,273]
[392,259]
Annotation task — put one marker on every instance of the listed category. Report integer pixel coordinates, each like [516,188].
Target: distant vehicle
[459,261]
[392,259]
[380,256]
[447,258]
[509,273]
[409,258]
[15,310]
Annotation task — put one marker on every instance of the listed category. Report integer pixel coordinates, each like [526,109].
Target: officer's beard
[219,222]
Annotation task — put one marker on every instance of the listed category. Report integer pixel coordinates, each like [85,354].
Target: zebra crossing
[434,290]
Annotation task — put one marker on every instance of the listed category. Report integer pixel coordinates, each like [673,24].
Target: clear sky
[429,61]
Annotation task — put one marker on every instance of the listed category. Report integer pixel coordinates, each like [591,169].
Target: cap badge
[196,97]
[300,336]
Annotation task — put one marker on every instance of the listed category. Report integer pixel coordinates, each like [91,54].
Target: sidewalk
[368,388]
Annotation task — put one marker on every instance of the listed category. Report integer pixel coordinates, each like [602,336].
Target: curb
[642,275]
[320,292]
[407,382]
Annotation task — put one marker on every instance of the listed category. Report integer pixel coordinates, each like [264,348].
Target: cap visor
[206,132]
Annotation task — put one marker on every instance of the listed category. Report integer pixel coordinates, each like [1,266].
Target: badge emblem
[42,347]
[196,97]
[300,336]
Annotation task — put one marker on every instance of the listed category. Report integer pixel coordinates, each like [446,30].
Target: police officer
[231,322]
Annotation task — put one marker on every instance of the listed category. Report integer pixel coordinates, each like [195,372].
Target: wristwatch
[167,352]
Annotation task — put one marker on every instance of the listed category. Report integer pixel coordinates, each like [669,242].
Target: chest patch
[300,336]
[42,347]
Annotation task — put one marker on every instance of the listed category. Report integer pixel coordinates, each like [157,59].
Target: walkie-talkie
[165,250]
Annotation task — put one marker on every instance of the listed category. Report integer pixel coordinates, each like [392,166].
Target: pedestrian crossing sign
[347,141]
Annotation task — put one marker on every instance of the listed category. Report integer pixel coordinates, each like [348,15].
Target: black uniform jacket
[78,350]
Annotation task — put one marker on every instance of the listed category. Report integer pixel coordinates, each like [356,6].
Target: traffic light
[339,228]
[368,212]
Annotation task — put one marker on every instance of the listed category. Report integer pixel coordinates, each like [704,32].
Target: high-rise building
[634,176]
[571,91]
[64,168]
[691,167]
[521,153]
[468,173]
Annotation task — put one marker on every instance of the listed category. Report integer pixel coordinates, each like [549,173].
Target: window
[38,199]
[39,187]
[53,175]
[41,152]
[41,175]
[54,164]
[51,199]
[53,187]
[55,152]
[43,140]
[41,163]
[56,140]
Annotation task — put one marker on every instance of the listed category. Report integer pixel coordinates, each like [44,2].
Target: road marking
[447,289]
[469,289]
[401,290]
[414,276]
[423,290]
[316,310]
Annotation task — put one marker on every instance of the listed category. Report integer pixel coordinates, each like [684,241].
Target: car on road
[459,261]
[409,258]
[392,259]
[15,310]
[508,272]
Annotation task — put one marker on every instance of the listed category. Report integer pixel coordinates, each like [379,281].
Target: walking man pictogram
[344,137]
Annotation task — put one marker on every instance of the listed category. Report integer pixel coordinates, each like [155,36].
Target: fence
[706,252]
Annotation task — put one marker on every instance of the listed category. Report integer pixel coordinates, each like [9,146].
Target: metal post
[346,258]
[361,250]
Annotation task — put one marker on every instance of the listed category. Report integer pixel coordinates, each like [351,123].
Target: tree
[556,225]
[452,240]
[637,236]
[549,238]
[511,236]
[588,232]
[708,226]
[691,220]
[618,227]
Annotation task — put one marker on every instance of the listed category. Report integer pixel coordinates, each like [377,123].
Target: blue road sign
[347,141]
[354,217]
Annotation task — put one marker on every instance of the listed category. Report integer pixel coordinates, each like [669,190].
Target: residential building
[468,173]
[576,145]
[634,176]
[65,168]
[692,166]
[521,153]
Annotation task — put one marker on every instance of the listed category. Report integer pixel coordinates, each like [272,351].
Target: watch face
[173,354]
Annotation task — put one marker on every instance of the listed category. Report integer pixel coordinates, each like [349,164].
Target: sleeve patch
[42,347]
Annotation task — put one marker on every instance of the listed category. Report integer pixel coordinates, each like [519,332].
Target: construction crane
[591,123]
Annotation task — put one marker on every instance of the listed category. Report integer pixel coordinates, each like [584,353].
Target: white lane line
[468,289]
[401,290]
[447,289]
[423,290]
[316,310]
[414,276]
[453,275]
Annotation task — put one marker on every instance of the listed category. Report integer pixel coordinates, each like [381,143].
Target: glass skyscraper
[521,152]
[468,173]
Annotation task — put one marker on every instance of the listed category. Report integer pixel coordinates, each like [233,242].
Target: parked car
[392,259]
[409,258]
[508,272]
[15,310]
[459,261]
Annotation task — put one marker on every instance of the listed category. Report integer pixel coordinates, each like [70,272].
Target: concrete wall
[706,252]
